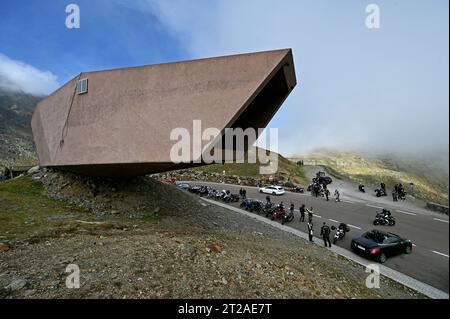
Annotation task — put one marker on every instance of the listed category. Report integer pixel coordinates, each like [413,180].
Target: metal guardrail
[438,208]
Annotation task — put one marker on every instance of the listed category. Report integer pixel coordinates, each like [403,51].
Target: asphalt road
[429,232]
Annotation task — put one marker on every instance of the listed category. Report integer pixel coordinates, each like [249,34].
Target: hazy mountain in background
[428,171]
[16,139]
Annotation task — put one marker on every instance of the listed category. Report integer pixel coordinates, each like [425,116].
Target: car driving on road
[272,190]
[379,245]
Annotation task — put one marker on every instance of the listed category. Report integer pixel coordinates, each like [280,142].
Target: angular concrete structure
[118,122]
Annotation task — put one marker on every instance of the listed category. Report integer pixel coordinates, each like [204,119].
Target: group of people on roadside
[325,230]
[318,189]
[399,192]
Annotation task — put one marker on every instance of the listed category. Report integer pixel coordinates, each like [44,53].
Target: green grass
[334,173]
[21,161]
[26,214]
[286,168]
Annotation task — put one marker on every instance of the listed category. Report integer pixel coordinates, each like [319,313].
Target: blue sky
[111,35]
[362,88]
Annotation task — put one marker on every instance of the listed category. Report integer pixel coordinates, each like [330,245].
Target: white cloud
[386,89]
[19,76]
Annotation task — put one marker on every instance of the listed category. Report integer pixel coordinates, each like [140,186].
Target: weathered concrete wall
[125,119]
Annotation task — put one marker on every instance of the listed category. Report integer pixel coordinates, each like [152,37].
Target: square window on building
[82,86]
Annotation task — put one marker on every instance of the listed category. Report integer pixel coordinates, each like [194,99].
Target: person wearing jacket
[302,212]
[325,232]
[310,231]
[310,214]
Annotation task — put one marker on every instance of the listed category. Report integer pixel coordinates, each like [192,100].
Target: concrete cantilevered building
[118,122]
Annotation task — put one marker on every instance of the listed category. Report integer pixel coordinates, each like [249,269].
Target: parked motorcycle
[379,192]
[298,190]
[252,205]
[246,203]
[212,193]
[257,206]
[268,209]
[401,194]
[278,213]
[286,218]
[230,198]
[204,190]
[221,194]
[341,230]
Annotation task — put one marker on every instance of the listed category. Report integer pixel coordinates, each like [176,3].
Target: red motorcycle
[280,212]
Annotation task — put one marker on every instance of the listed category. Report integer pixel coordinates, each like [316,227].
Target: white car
[272,190]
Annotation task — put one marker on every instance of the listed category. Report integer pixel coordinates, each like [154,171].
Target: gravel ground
[193,250]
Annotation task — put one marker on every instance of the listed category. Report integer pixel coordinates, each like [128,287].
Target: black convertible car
[379,245]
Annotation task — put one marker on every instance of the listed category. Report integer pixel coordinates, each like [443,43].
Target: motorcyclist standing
[302,212]
[310,214]
[337,195]
[310,231]
[401,191]
[327,193]
[291,208]
[325,232]
[395,196]
[316,189]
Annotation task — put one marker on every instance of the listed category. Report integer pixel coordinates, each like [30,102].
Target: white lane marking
[442,254]
[318,216]
[386,271]
[374,206]
[333,220]
[350,225]
[347,201]
[408,213]
[441,220]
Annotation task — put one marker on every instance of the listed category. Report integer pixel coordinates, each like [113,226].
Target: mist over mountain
[427,171]
[432,163]
[16,139]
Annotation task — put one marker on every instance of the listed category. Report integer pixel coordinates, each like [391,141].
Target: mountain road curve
[428,231]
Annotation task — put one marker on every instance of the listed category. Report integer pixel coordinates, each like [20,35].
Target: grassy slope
[26,214]
[285,168]
[371,171]
[21,161]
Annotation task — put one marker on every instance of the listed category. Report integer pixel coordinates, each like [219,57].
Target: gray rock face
[33,170]
[16,284]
